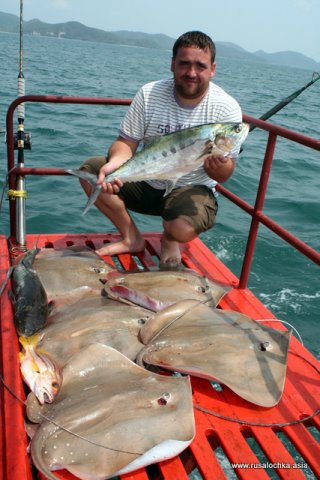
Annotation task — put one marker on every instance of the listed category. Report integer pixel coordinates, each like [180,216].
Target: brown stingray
[70,271]
[220,345]
[110,417]
[157,290]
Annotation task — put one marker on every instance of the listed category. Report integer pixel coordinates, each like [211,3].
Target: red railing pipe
[261,193]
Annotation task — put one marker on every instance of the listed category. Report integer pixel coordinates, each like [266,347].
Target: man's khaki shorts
[195,203]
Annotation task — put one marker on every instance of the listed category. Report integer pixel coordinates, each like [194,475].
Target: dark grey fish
[28,296]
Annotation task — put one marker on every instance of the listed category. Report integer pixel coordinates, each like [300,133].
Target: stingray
[121,416]
[70,271]
[93,319]
[158,289]
[218,345]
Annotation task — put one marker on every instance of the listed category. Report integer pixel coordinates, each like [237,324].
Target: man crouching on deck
[161,107]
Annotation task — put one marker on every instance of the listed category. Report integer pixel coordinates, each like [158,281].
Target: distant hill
[78,31]
[8,22]
[288,58]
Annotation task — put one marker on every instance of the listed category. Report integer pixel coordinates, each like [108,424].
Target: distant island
[78,31]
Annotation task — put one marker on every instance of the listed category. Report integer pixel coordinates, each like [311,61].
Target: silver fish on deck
[171,156]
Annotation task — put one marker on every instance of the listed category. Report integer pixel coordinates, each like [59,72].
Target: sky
[269,25]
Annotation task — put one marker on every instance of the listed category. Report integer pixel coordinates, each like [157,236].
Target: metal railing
[256,211]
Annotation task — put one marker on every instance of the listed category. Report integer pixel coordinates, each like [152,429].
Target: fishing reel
[22,140]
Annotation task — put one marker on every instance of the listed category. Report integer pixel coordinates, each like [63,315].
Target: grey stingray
[110,417]
[222,345]
[72,270]
[157,290]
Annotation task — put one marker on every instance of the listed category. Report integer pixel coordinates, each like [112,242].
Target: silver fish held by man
[171,156]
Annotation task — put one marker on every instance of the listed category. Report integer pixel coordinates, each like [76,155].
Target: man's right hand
[119,152]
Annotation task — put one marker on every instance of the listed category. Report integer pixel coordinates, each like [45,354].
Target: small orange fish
[38,370]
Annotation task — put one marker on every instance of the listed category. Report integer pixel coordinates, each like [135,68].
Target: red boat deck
[234,438]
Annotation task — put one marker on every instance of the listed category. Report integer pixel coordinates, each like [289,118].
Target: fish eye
[201,289]
[238,128]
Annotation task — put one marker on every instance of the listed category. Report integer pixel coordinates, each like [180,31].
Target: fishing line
[258,424]
[286,323]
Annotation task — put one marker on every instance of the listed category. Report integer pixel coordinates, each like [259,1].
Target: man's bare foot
[123,246]
[170,256]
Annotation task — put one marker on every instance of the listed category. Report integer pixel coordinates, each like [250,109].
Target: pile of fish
[96,407]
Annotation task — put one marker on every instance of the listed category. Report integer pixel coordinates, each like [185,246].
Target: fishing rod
[287,100]
[21,142]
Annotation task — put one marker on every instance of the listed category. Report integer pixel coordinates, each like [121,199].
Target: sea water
[65,135]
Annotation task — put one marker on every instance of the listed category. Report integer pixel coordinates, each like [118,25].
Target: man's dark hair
[195,39]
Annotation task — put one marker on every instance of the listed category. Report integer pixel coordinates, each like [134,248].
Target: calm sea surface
[65,135]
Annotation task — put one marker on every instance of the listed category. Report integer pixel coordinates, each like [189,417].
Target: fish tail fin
[93,197]
[90,178]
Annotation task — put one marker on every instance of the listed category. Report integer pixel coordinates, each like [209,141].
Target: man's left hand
[218,167]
